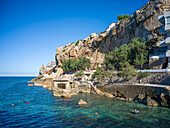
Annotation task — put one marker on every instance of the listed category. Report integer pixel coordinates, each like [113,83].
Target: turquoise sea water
[44,110]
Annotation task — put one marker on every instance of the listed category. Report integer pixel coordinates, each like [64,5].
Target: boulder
[141,96]
[151,102]
[82,102]
[163,100]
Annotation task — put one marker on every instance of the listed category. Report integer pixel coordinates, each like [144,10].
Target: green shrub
[80,73]
[143,74]
[63,50]
[57,54]
[77,42]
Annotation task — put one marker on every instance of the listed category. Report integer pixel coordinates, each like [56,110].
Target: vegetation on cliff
[102,74]
[120,61]
[80,73]
[134,53]
[75,64]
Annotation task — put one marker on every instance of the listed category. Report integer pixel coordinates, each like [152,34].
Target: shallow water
[44,110]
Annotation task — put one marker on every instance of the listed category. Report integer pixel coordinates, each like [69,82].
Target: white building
[165,31]
[111,26]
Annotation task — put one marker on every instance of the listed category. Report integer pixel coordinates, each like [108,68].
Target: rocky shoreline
[149,94]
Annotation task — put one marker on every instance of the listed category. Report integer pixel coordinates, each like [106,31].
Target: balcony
[162,43]
[162,30]
[168,40]
[167,27]
[168,53]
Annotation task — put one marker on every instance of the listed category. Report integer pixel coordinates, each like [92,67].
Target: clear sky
[31,30]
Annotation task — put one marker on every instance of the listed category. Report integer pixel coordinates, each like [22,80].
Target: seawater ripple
[44,110]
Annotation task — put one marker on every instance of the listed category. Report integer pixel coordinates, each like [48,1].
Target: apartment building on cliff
[165,31]
[159,60]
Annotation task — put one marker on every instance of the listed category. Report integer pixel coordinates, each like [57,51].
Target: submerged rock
[30,84]
[82,102]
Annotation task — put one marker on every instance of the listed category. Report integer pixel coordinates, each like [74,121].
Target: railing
[157,55]
[155,70]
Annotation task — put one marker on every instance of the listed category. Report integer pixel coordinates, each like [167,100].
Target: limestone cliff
[143,23]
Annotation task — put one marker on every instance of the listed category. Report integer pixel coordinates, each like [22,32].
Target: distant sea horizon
[18,75]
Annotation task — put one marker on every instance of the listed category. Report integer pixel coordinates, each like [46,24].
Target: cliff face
[143,23]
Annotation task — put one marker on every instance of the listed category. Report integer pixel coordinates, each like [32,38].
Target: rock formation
[42,70]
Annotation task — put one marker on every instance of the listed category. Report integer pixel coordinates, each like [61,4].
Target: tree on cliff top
[122,17]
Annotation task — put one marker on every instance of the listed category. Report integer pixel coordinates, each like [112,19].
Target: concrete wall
[140,93]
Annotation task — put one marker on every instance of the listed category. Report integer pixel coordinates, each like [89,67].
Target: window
[168,20]
[62,86]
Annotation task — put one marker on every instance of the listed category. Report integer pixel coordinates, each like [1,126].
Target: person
[96,113]
[135,111]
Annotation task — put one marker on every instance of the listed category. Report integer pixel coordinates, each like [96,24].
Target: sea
[26,106]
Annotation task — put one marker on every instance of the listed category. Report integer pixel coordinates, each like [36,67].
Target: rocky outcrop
[43,70]
[143,23]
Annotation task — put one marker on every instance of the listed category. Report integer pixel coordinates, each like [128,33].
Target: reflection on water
[44,110]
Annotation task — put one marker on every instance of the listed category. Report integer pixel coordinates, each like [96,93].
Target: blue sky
[31,30]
